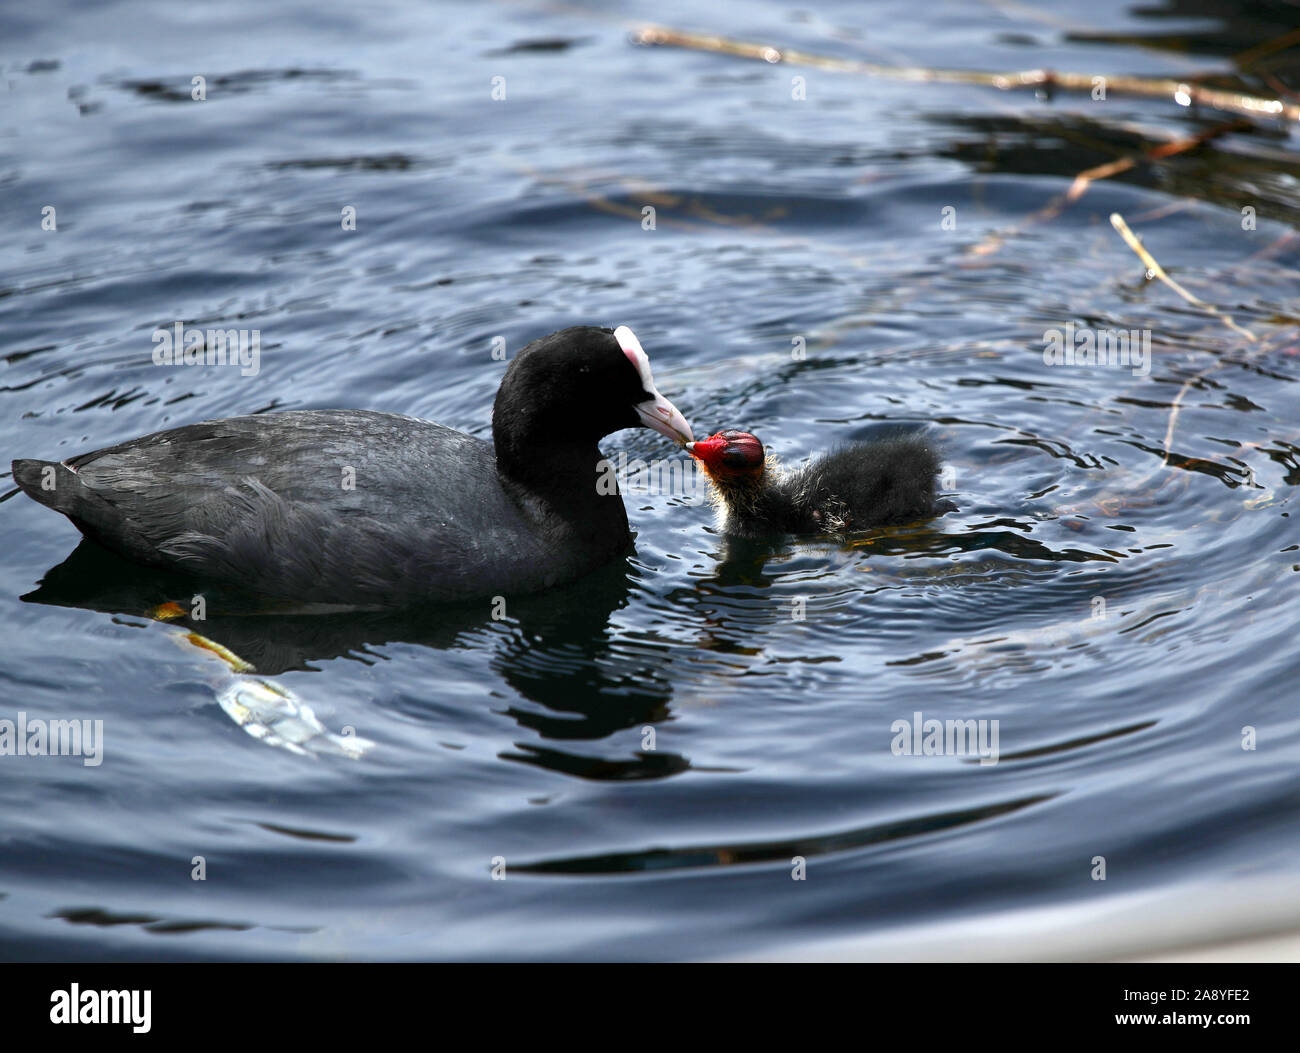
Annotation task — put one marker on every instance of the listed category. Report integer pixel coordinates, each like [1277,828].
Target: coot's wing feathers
[299,505]
[306,553]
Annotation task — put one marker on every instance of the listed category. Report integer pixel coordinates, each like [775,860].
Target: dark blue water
[1117,591]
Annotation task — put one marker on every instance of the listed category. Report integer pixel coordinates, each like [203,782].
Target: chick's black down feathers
[853,487]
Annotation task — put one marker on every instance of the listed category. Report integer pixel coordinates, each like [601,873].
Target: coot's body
[351,508]
[218,497]
[889,480]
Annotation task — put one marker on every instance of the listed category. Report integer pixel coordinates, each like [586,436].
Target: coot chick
[329,509]
[866,484]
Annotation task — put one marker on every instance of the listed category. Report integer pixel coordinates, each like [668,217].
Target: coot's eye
[736,458]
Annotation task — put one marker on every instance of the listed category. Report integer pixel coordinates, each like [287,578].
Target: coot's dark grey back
[379,508]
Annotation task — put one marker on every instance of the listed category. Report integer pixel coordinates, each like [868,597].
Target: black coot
[352,508]
[866,484]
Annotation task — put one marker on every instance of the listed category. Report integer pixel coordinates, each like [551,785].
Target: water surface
[1116,589]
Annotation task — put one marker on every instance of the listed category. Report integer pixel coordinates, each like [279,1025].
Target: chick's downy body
[853,487]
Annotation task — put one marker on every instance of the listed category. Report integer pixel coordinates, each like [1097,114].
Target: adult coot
[352,508]
[862,485]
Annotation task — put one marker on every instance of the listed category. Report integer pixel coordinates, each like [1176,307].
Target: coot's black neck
[568,482]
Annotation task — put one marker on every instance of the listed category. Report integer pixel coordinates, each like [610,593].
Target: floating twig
[1183,92]
[1156,271]
[1079,186]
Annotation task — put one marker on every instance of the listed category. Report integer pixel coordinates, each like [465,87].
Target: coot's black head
[731,457]
[576,386]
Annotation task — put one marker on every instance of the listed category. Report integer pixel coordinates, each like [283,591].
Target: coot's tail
[50,483]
